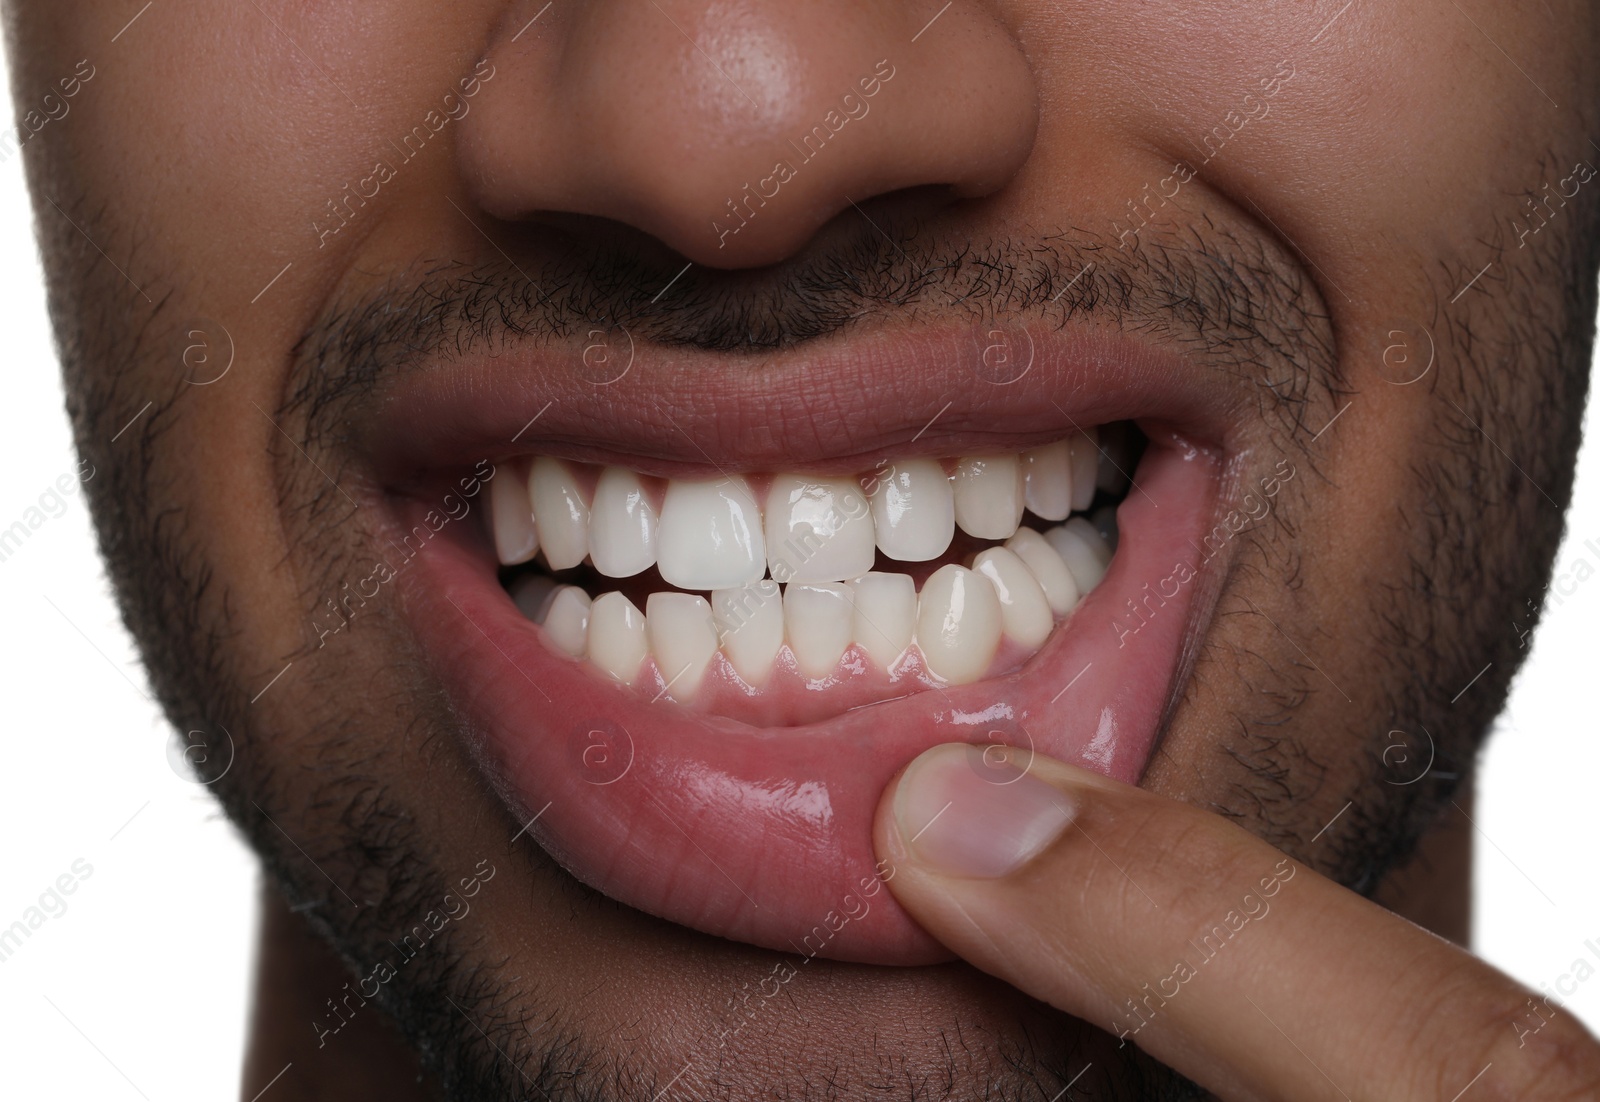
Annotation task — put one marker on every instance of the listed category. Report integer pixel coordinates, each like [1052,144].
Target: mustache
[1221,293]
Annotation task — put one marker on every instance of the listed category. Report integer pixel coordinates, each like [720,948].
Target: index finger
[1186,935]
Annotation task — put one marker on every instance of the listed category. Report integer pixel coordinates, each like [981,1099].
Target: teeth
[683,638]
[622,525]
[1078,550]
[914,511]
[566,619]
[818,620]
[750,622]
[710,535]
[958,624]
[1047,487]
[988,496]
[617,636]
[515,538]
[1085,464]
[563,515]
[1024,612]
[885,615]
[1091,536]
[1060,588]
[820,537]
[818,530]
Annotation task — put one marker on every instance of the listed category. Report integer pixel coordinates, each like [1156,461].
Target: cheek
[269,156]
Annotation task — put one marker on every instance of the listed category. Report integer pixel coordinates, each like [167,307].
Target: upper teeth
[711,535]
[989,491]
[914,511]
[563,514]
[725,536]
[623,525]
[818,530]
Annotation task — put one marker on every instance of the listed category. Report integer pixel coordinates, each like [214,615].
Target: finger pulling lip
[763,834]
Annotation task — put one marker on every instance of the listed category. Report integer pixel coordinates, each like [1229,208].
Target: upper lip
[839,406]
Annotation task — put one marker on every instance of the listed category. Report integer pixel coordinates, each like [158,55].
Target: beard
[352,782]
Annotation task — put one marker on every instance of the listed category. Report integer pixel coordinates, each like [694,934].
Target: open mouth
[693,631]
[786,598]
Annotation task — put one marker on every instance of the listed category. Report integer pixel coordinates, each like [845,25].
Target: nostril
[733,133]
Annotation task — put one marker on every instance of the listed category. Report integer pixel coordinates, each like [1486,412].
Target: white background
[139,988]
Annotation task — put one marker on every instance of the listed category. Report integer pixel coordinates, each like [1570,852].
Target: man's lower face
[581,455]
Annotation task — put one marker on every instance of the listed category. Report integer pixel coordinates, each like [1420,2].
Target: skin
[1075,926]
[1373,216]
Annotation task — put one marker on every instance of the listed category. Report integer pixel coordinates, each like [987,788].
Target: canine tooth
[622,525]
[1080,557]
[617,636]
[710,535]
[749,622]
[683,638]
[958,623]
[531,594]
[817,620]
[1091,536]
[511,516]
[1085,462]
[885,615]
[563,515]
[1047,485]
[1024,613]
[1111,470]
[988,495]
[566,619]
[818,529]
[1060,588]
[913,510]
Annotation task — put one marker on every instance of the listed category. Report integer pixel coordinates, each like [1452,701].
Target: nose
[733,130]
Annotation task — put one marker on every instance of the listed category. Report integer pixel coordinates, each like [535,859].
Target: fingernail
[976,811]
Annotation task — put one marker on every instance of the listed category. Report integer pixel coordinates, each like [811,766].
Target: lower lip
[763,834]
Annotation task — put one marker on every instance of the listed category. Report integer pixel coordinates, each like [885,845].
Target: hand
[1200,943]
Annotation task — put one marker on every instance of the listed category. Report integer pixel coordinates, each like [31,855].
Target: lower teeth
[952,627]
